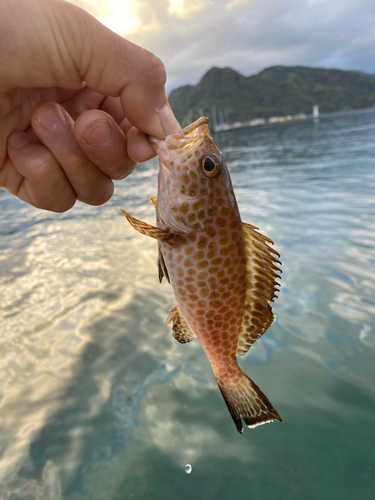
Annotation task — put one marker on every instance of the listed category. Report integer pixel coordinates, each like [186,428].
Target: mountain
[278,90]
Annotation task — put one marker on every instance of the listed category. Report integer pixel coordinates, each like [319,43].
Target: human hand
[76,103]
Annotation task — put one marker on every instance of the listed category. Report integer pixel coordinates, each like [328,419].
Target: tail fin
[244,399]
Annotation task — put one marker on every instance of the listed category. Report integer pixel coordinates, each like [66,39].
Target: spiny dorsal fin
[260,287]
[164,235]
[181,330]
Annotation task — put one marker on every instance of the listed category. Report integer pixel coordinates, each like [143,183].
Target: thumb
[52,43]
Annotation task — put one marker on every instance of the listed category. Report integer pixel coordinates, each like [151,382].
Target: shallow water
[98,401]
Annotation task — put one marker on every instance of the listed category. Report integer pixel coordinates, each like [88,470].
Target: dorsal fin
[181,330]
[261,285]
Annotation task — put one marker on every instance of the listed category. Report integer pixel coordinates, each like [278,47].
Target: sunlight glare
[120,16]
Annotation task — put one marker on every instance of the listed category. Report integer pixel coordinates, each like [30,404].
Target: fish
[223,272]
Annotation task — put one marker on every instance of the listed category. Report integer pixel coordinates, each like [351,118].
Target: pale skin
[76,103]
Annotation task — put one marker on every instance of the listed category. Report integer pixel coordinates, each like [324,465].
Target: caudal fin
[244,399]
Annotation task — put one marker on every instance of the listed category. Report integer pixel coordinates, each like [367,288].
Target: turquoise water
[98,401]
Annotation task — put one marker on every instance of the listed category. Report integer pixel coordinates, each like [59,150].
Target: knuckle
[41,164]
[49,188]
[157,74]
[72,24]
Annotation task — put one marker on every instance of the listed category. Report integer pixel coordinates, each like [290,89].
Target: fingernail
[51,118]
[168,121]
[19,139]
[99,134]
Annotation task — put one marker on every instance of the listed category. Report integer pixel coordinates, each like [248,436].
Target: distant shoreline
[283,120]
[228,97]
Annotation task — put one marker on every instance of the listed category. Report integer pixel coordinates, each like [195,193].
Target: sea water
[98,401]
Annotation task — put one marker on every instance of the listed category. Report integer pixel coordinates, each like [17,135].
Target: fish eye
[211,166]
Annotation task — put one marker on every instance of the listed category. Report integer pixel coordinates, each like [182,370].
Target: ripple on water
[99,401]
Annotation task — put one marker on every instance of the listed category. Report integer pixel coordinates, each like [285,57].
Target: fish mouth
[174,145]
[189,135]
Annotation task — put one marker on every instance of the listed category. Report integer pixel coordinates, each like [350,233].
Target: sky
[191,36]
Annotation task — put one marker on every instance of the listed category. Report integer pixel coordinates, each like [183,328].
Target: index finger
[127,71]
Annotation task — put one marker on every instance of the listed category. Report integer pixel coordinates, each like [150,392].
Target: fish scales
[222,271]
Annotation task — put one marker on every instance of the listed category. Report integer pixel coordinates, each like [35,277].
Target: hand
[76,101]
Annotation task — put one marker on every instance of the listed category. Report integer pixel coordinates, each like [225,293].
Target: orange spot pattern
[207,269]
[222,271]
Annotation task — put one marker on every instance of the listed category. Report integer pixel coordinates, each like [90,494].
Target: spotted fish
[223,272]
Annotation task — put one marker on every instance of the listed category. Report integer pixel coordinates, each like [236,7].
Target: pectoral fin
[164,235]
[181,330]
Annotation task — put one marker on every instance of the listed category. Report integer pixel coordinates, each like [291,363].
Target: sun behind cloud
[120,16]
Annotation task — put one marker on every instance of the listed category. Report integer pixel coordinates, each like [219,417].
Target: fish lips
[173,145]
[161,149]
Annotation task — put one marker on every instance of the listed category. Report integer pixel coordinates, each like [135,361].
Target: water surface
[98,401]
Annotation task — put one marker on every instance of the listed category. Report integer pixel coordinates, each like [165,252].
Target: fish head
[193,178]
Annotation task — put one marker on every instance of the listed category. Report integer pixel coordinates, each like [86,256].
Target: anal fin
[181,330]
[163,271]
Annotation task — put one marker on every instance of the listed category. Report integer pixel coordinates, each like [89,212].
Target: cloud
[247,35]
[186,8]
[235,3]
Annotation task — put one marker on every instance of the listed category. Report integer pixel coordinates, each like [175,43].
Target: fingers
[71,161]
[139,147]
[81,148]
[74,51]
[86,99]
[54,127]
[104,143]
[112,106]
[82,100]
[131,72]
[34,175]
[77,50]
